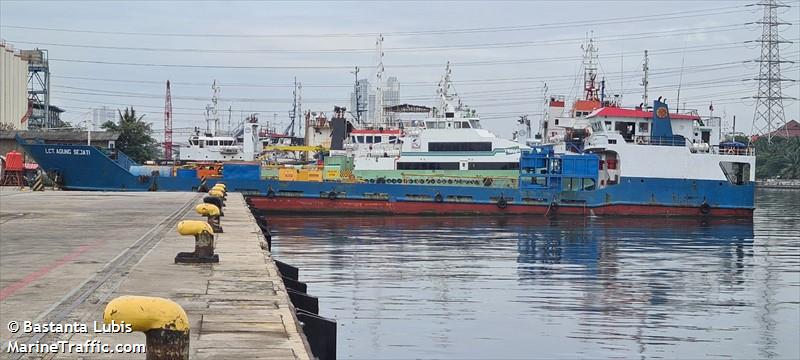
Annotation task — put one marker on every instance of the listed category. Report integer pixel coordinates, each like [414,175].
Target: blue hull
[87,168]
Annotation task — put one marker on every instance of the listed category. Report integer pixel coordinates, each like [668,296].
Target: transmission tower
[168,125]
[769,115]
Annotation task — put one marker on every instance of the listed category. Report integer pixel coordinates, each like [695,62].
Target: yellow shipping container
[315,175]
[287,174]
[331,174]
[302,175]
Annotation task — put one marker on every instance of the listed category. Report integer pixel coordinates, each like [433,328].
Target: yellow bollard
[221,189]
[203,242]
[212,214]
[164,323]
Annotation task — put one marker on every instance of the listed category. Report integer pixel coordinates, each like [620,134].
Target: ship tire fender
[502,203]
[332,195]
[705,209]
[487,181]
[438,198]
[270,193]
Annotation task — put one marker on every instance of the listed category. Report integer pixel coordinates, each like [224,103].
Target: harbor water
[529,287]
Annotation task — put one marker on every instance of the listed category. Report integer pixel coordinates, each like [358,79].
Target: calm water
[476,287]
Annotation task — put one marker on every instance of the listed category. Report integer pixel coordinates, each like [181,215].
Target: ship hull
[373,207]
[86,168]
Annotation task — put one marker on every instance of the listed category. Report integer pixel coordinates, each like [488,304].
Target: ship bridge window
[368,139]
[427,166]
[393,140]
[644,128]
[449,114]
[474,124]
[494,166]
[608,126]
[597,127]
[360,139]
[460,146]
[737,173]
[625,129]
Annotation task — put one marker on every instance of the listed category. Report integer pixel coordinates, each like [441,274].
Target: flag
[711,107]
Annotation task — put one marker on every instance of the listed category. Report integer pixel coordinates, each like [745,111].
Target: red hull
[322,206]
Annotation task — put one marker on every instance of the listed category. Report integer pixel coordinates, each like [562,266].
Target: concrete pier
[65,255]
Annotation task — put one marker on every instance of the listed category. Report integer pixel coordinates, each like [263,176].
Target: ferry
[448,145]
[636,162]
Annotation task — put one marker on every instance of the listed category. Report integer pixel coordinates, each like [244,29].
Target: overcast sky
[118,53]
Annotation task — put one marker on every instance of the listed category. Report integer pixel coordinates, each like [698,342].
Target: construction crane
[168,125]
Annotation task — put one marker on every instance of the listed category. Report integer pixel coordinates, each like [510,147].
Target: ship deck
[64,255]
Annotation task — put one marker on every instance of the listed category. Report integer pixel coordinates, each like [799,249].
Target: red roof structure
[791,129]
[635,113]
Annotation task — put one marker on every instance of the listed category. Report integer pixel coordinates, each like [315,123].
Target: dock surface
[64,255]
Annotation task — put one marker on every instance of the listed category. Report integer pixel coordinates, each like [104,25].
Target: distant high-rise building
[363,97]
[368,98]
[391,93]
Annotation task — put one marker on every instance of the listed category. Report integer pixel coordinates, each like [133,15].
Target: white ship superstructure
[450,138]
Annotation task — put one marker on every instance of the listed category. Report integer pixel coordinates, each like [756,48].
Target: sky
[502,54]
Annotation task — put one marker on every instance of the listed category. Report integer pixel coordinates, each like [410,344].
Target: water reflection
[478,287]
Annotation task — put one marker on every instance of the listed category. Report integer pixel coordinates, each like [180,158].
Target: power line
[568,24]
[474,46]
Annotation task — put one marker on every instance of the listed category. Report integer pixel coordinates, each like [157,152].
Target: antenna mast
[379,77]
[645,82]
[293,113]
[168,125]
[590,89]
[769,115]
[358,98]
[212,116]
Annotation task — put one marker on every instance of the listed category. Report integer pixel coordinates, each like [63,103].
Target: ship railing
[659,140]
[748,151]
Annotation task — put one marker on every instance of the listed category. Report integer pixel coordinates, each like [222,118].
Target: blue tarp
[241,171]
[732,145]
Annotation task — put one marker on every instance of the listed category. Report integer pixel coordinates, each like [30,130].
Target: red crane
[168,125]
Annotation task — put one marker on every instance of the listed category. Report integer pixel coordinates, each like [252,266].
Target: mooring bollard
[211,212]
[216,202]
[221,189]
[203,242]
[164,323]
[217,194]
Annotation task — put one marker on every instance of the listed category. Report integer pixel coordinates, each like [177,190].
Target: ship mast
[590,88]
[645,82]
[212,116]
[378,118]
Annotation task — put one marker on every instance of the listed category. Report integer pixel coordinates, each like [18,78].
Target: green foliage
[134,139]
[779,159]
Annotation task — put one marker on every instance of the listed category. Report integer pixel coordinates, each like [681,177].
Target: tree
[781,158]
[134,136]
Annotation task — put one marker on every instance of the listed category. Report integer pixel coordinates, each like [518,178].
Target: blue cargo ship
[633,164]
